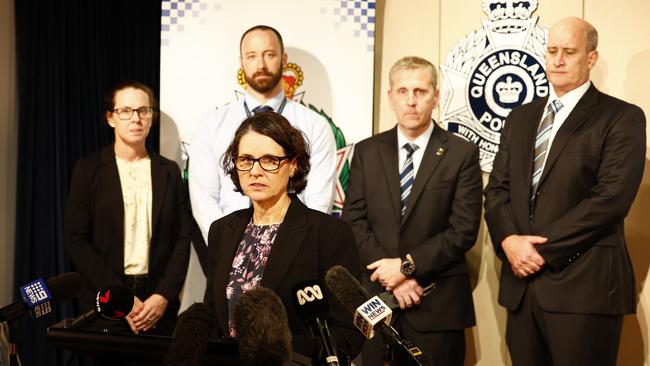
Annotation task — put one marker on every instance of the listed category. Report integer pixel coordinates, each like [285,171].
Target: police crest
[491,71]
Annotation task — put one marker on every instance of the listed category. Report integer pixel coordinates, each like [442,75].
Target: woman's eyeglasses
[268,163]
[127,112]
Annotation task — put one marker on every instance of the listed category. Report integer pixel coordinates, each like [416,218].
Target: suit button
[537,193]
[530,217]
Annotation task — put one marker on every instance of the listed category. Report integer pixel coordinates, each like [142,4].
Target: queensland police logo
[491,71]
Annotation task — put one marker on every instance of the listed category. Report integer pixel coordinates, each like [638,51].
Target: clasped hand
[387,272]
[522,255]
[145,314]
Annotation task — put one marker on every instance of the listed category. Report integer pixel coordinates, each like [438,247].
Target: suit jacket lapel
[230,239]
[388,154]
[159,186]
[434,152]
[112,189]
[576,118]
[525,153]
[288,241]
[530,126]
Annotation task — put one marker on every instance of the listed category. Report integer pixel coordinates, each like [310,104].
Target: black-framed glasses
[127,112]
[268,163]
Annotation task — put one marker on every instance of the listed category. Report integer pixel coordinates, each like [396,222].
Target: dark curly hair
[292,140]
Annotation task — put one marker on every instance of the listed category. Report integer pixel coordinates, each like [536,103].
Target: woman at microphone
[127,220]
[278,242]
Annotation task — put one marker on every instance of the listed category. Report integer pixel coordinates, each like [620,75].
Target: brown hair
[276,127]
[264,28]
[109,99]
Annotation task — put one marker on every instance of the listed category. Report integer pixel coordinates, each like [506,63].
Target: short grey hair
[412,63]
[592,38]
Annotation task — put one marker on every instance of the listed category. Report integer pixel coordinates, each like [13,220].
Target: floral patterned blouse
[248,265]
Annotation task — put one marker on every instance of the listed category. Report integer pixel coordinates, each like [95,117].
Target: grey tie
[541,142]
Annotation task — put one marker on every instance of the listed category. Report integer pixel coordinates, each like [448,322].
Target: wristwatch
[408,266]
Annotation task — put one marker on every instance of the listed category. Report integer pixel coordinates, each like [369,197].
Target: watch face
[407,268]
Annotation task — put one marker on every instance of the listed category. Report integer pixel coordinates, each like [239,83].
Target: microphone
[262,328]
[192,336]
[112,303]
[39,296]
[369,313]
[312,308]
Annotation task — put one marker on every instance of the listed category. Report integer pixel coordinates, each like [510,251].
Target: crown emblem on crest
[510,45]
[509,16]
[509,9]
[508,91]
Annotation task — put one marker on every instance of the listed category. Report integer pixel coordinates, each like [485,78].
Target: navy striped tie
[407,175]
[541,142]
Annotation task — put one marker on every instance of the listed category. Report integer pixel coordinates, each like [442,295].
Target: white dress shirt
[212,193]
[422,141]
[135,180]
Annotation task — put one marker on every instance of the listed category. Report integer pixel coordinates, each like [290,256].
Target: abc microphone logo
[309,294]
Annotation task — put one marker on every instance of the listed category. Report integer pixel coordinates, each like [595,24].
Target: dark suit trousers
[445,348]
[537,337]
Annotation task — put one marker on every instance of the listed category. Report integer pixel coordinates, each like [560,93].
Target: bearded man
[212,194]
[262,58]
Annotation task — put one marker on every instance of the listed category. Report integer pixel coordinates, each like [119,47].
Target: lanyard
[249,114]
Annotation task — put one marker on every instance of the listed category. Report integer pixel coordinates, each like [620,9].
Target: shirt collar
[570,99]
[422,141]
[273,102]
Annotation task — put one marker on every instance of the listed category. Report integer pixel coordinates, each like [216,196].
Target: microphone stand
[13,336]
[407,346]
[386,349]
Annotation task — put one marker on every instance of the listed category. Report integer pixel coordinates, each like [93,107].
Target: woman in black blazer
[278,242]
[127,220]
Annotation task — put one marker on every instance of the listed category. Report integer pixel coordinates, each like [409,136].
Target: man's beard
[265,85]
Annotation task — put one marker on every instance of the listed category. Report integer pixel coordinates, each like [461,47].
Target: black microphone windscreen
[262,328]
[64,286]
[346,288]
[310,301]
[114,302]
[192,336]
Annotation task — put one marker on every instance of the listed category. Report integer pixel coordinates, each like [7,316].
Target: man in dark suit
[414,205]
[567,171]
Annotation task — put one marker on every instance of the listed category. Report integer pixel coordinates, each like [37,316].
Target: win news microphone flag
[369,313]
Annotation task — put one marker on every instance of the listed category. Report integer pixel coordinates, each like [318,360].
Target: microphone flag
[37,297]
[371,313]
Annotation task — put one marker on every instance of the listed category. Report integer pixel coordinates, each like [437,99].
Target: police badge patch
[491,71]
